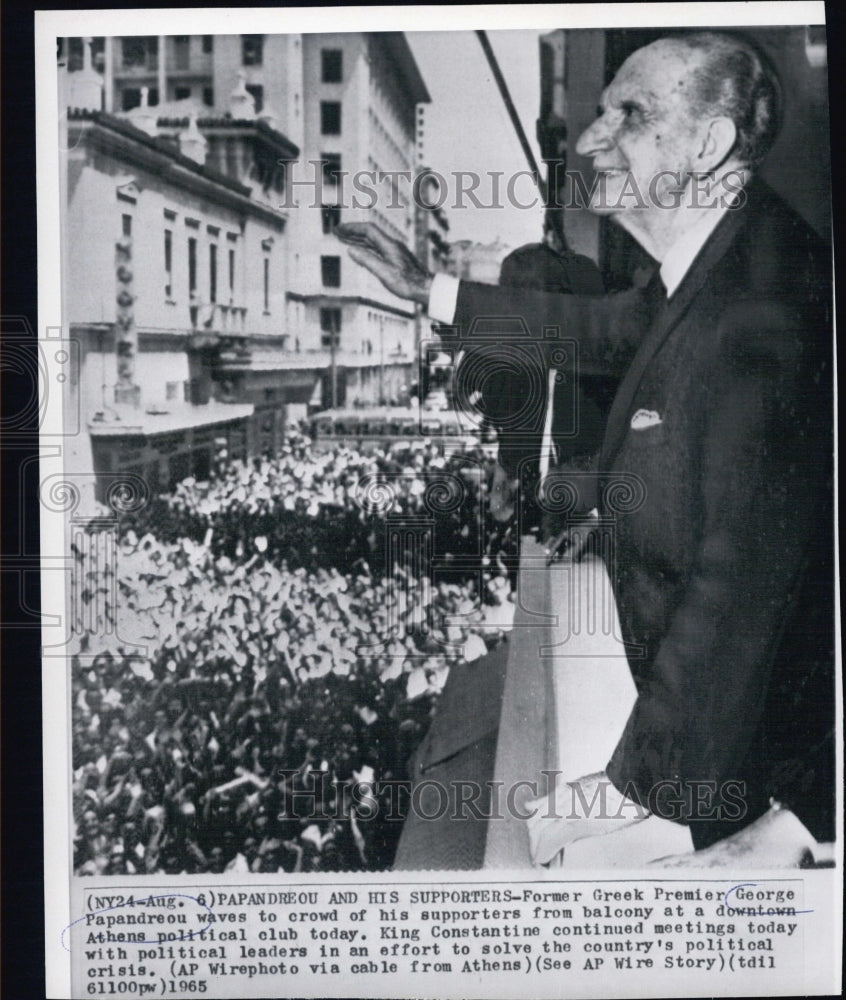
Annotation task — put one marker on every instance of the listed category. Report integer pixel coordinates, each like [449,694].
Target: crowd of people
[327,508]
[251,700]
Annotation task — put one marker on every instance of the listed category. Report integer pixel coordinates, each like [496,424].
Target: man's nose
[595,138]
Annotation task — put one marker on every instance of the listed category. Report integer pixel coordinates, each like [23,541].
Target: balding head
[728,76]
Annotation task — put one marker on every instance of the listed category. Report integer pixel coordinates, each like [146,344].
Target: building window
[130,97]
[252,50]
[208,44]
[330,327]
[168,262]
[212,272]
[267,284]
[126,225]
[181,52]
[331,215]
[330,117]
[331,167]
[330,336]
[180,93]
[75,54]
[208,97]
[141,51]
[257,92]
[331,62]
[192,264]
[172,390]
[330,271]
[231,275]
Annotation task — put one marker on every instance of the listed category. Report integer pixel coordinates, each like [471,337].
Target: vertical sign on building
[126,334]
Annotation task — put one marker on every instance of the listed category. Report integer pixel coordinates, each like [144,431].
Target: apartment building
[357,164]
[174,285]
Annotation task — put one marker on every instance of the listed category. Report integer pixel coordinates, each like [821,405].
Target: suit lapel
[665,320]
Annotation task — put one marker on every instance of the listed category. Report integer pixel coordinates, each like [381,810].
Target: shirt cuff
[443,298]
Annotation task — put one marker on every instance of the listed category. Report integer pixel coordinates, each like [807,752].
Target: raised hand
[391,261]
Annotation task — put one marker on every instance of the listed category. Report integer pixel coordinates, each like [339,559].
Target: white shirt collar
[683,252]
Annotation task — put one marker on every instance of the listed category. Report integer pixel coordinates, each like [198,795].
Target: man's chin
[602,207]
[608,208]
[613,194]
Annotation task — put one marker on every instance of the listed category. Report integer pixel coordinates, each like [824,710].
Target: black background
[20,695]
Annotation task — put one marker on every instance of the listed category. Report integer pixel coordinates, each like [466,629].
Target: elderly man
[723,575]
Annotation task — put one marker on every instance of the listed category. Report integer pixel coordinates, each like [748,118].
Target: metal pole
[108,73]
[162,75]
[333,333]
[381,360]
[512,112]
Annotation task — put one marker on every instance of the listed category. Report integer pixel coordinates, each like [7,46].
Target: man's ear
[718,141]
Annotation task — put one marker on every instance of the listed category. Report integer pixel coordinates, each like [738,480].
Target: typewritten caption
[257,940]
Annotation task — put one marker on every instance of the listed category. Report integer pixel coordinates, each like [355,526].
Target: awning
[131,422]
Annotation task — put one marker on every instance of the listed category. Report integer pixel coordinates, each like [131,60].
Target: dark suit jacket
[723,574]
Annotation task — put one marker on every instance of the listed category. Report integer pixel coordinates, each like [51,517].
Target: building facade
[347,102]
[357,164]
[222,165]
[174,288]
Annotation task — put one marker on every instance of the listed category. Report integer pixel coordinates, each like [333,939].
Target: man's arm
[608,327]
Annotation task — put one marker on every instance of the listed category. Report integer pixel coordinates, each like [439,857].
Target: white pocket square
[645,418]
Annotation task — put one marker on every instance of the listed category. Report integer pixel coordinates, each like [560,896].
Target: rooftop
[220,123]
[158,143]
[405,65]
[126,422]
[164,144]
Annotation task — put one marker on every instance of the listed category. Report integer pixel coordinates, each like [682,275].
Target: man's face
[645,137]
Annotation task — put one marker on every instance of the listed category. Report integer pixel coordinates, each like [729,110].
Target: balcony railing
[216,317]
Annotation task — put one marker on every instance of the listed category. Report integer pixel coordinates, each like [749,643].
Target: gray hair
[737,80]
